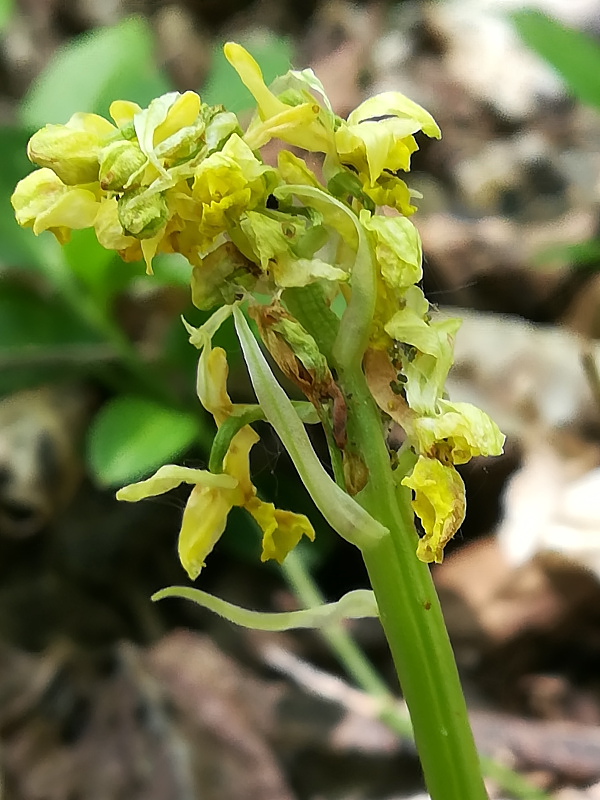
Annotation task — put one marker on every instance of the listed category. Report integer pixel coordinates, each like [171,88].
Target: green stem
[413,623]
[411,616]
[408,604]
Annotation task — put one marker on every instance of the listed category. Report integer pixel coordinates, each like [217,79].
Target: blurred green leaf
[132,436]
[102,272]
[41,340]
[7,8]
[273,53]
[573,54]
[585,255]
[18,247]
[171,269]
[15,164]
[92,71]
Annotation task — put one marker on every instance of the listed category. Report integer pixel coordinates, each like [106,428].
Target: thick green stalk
[408,604]
[411,616]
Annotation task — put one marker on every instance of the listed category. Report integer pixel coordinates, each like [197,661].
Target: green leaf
[7,8]
[41,340]
[171,269]
[583,255]
[357,604]
[274,55]
[18,247]
[573,54]
[133,436]
[92,71]
[101,271]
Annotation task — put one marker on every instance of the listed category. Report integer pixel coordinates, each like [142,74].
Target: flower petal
[300,123]
[291,272]
[439,502]
[109,231]
[252,78]
[282,530]
[183,113]
[71,154]
[42,201]
[170,476]
[397,249]
[76,209]
[396,104]
[204,521]
[123,112]
[211,384]
[464,430]
[373,147]
[237,463]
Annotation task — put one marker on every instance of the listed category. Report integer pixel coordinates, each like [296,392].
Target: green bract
[182,176]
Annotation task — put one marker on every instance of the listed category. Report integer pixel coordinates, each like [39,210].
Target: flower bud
[71,154]
[142,214]
[119,163]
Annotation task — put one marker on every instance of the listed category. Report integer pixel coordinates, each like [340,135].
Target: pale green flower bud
[121,165]
[142,214]
[71,154]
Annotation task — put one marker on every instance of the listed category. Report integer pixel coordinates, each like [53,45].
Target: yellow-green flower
[228,183]
[302,122]
[219,276]
[73,150]
[121,165]
[439,502]
[458,432]
[110,234]
[282,530]
[378,135]
[213,496]
[448,434]
[130,180]
[43,202]
[397,249]
[294,170]
[390,190]
[142,214]
[180,176]
[210,501]
[375,142]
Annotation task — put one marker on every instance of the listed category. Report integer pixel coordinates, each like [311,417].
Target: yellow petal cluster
[181,176]
[146,183]
[226,184]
